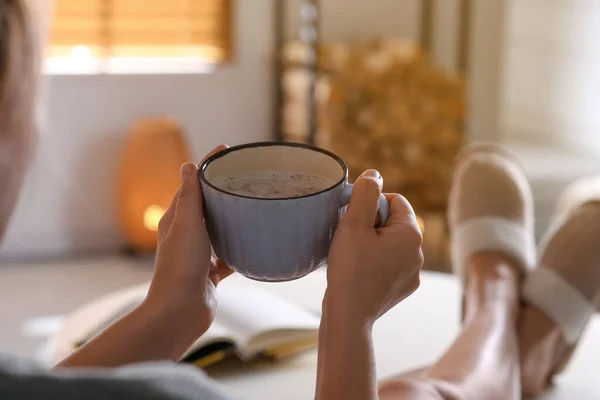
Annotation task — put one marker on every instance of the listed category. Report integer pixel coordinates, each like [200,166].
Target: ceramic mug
[275,239]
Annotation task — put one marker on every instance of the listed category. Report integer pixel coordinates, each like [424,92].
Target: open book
[250,322]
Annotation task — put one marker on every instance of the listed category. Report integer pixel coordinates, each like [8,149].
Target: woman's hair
[20,61]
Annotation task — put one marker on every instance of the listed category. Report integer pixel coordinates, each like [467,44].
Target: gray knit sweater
[22,380]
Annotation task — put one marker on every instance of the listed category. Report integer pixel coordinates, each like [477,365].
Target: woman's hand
[186,276]
[370,271]
[373,269]
[181,302]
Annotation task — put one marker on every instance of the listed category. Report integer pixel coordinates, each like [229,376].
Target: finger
[401,210]
[219,271]
[167,219]
[388,197]
[188,209]
[362,209]
[164,225]
[213,151]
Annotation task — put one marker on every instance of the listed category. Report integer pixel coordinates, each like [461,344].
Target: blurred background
[134,88]
[395,85]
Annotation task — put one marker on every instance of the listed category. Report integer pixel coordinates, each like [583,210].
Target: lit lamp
[147,179]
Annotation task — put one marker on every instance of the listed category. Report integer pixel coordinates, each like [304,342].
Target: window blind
[142,28]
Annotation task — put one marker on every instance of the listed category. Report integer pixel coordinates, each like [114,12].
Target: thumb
[188,210]
[364,203]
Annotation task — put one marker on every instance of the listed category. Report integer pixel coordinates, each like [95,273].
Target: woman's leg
[490,216]
[483,361]
[561,295]
[542,350]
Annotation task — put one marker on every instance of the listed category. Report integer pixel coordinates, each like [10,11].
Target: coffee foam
[274,185]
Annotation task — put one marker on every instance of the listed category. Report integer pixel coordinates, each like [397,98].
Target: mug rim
[224,152]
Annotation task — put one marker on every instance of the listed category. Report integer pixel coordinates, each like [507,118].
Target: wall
[355,19]
[552,90]
[486,80]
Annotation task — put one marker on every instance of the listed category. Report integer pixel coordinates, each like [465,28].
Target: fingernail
[187,170]
[371,173]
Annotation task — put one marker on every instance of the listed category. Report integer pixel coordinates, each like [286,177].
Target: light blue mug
[275,239]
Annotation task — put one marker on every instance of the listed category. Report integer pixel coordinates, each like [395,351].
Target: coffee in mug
[271,208]
[274,184]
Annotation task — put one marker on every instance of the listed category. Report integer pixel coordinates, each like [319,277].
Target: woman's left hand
[181,302]
[186,276]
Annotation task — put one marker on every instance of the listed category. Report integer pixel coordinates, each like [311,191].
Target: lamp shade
[147,179]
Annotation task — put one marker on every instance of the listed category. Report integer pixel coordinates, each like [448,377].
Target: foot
[490,208]
[491,222]
[570,251]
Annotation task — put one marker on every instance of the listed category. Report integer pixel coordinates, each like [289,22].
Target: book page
[248,317]
[217,338]
[92,318]
[98,315]
[250,312]
[216,333]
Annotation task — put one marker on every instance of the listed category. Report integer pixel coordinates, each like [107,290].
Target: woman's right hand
[373,269]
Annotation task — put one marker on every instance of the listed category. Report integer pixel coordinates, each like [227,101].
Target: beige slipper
[490,207]
[566,284]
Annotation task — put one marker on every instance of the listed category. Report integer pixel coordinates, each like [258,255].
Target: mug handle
[383,210]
